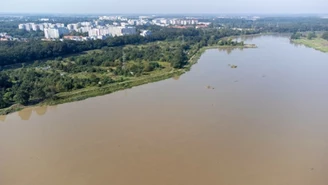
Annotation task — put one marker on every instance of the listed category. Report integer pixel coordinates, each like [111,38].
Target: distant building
[128,31]
[44,19]
[132,22]
[70,27]
[94,32]
[112,31]
[86,24]
[201,26]
[60,25]
[75,38]
[35,27]
[55,33]
[99,23]
[145,33]
[21,26]
[41,27]
[84,29]
[27,27]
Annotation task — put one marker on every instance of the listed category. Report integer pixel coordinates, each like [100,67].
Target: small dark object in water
[209,87]
[236,81]
[233,66]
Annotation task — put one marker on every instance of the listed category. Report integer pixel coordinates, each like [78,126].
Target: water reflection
[52,108]
[177,77]
[229,50]
[3,118]
[25,114]
[295,44]
[41,110]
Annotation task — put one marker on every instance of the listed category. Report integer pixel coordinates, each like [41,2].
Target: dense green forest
[41,81]
[20,52]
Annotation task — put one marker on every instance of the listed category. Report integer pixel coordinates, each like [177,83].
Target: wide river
[262,123]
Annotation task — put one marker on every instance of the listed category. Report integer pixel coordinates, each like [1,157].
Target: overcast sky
[165,6]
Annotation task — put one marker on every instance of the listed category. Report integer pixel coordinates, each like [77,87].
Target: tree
[3,103]
[295,35]
[21,97]
[38,93]
[4,81]
[311,35]
[179,58]
[325,35]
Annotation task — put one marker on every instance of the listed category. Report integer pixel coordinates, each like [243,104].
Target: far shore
[85,93]
[317,43]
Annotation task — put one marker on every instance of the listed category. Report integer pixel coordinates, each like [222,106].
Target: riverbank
[85,93]
[317,43]
[89,92]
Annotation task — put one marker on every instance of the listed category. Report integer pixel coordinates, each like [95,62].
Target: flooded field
[239,117]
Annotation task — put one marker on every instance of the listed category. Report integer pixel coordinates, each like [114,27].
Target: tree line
[20,52]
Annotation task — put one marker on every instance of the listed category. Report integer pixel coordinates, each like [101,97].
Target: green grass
[317,43]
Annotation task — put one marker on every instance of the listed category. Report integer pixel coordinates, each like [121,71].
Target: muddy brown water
[262,123]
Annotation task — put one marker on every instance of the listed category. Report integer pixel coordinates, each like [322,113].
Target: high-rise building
[94,32]
[27,27]
[21,26]
[70,27]
[35,27]
[84,29]
[55,33]
[112,31]
[41,27]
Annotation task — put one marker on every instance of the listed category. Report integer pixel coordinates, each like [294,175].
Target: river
[262,123]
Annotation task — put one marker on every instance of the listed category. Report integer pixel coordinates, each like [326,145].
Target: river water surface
[262,123]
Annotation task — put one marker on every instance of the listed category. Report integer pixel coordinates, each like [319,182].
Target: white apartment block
[84,29]
[27,27]
[112,31]
[37,27]
[21,26]
[86,24]
[70,27]
[55,33]
[128,31]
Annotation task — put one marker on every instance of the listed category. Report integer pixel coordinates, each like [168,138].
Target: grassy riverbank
[316,43]
[82,94]
[89,92]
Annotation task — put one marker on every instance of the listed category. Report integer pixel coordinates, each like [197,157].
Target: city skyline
[167,7]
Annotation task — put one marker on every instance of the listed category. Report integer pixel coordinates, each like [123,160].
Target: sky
[165,6]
